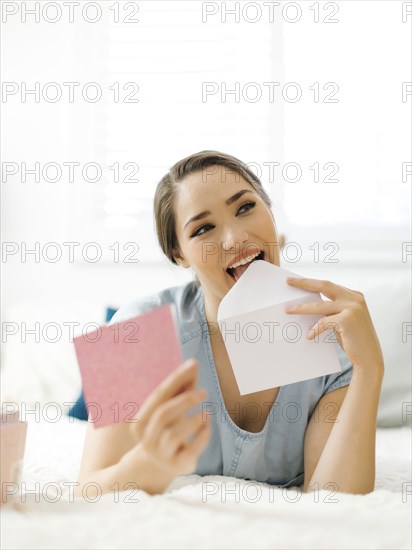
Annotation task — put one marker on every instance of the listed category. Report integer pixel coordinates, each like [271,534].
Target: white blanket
[203,512]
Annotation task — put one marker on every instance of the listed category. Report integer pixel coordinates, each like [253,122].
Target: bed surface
[204,512]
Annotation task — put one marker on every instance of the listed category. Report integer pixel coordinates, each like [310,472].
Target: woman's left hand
[348,315]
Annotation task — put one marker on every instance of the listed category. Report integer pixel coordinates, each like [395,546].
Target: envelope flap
[261,285]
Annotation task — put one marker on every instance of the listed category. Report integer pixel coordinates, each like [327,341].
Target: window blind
[181,70]
[332,168]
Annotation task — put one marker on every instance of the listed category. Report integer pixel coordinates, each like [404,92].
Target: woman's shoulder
[184,297]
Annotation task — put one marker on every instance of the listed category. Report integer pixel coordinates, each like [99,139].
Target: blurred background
[100,99]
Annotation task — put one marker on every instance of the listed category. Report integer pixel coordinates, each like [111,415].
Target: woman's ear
[179,258]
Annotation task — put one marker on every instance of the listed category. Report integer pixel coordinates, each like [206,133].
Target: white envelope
[266,346]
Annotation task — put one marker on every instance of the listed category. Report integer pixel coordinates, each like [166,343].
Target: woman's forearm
[133,471]
[348,458]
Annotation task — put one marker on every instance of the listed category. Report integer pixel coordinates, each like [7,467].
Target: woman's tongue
[238,271]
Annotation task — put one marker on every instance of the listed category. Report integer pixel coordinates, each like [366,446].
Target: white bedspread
[204,512]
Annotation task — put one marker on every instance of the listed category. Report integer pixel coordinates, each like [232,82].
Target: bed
[202,512]
[211,511]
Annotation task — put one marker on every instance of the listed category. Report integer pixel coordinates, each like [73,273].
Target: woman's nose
[234,238]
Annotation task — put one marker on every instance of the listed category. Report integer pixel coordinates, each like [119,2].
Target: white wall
[47,212]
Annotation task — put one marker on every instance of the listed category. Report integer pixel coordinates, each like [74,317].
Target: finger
[180,379]
[169,412]
[327,288]
[188,454]
[325,324]
[321,307]
[177,434]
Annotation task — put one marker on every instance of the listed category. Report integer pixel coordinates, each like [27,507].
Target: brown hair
[167,189]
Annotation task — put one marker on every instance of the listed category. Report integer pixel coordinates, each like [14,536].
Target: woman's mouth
[237,272]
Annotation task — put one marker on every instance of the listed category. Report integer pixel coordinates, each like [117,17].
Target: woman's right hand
[161,428]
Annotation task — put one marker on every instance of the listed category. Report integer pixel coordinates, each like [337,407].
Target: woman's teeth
[231,270]
[245,260]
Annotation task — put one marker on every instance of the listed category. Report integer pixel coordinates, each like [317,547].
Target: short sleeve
[337,380]
[135,308]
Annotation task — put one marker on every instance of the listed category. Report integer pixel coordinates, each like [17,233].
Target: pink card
[122,363]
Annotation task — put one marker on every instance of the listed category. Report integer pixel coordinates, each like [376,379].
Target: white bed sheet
[239,513]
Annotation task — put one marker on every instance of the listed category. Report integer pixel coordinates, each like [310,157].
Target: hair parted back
[168,187]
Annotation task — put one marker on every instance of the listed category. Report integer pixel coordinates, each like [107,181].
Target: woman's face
[234,221]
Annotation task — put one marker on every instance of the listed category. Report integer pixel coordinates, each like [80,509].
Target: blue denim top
[273,455]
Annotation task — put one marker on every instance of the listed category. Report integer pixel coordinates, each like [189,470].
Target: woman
[211,212]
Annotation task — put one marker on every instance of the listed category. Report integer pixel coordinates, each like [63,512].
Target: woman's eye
[199,231]
[250,205]
[247,206]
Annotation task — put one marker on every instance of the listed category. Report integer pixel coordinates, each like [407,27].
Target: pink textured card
[122,363]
